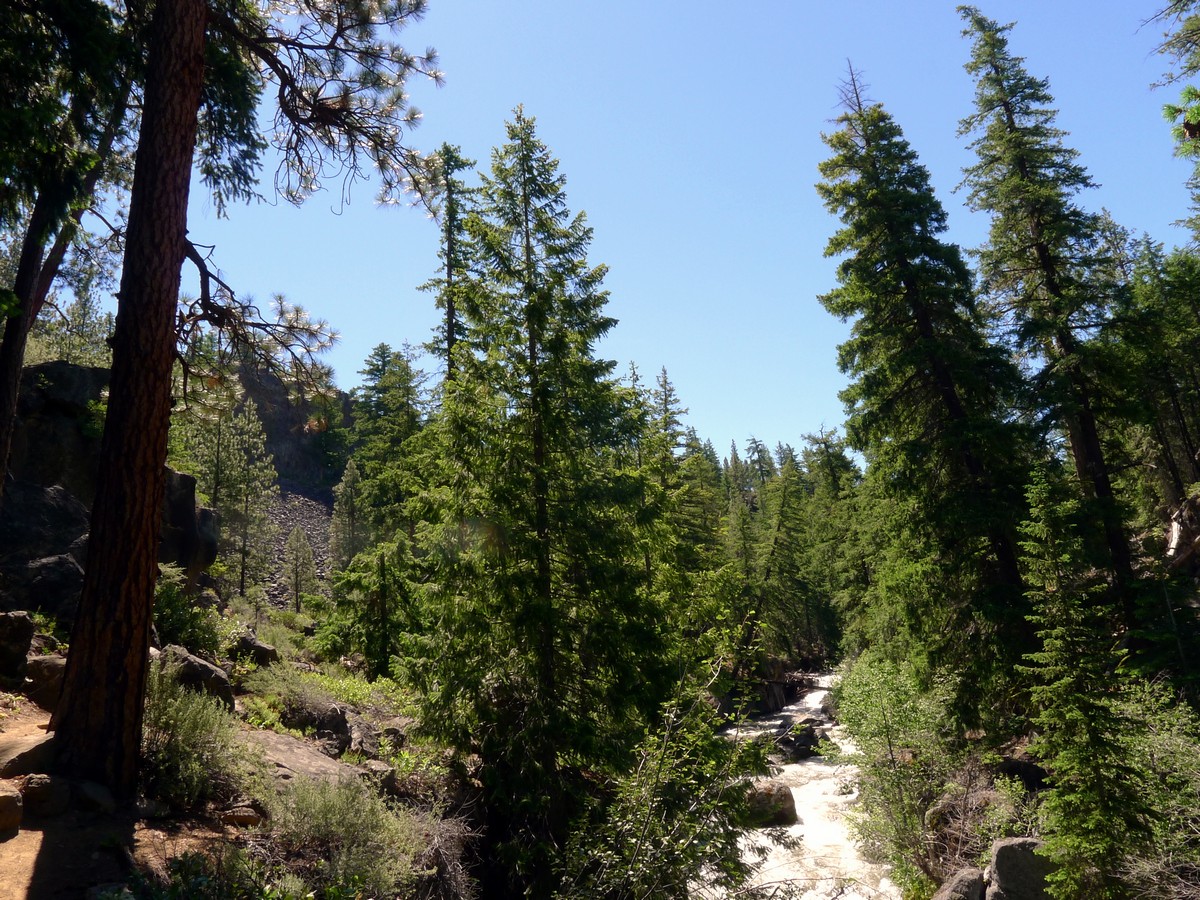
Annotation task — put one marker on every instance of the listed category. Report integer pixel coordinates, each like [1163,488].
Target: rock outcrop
[45,515]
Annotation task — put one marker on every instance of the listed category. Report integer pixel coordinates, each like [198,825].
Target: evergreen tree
[1046,265]
[249,488]
[349,532]
[388,410]
[1095,811]
[454,285]
[299,569]
[547,653]
[927,401]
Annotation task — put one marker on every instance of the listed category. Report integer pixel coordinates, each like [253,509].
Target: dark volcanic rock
[199,675]
[57,439]
[16,635]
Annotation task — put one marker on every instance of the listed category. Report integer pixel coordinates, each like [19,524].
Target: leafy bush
[673,821]
[190,748]
[178,620]
[904,768]
[345,838]
[1165,749]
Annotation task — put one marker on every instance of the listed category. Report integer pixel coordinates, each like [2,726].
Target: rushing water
[823,862]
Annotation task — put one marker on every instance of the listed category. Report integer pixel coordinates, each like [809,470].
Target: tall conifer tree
[1046,263]
[927,399]
[548,642]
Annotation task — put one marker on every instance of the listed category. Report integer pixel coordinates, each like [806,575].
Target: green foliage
[349,529]
[1165,750]
[225,442]
[343,837]
[78,334]
[190,747]
[178,619]
[1096,810]
[299,570]
[542,649]
[928,398]
[223,873]
[672,824]
[899,728]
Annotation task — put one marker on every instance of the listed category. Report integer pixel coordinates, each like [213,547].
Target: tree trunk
[36,271]
[16,328]
[99,719]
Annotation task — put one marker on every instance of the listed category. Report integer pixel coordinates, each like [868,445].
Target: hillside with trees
[488,624]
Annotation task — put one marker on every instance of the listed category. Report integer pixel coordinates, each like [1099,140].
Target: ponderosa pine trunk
[98,722]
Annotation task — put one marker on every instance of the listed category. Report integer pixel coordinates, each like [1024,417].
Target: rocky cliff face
[299,440]
[45,515]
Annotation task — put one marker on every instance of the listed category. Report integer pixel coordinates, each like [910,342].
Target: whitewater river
[824,864]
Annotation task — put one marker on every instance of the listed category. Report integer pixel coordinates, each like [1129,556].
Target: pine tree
[928,395]
[454,285]
[1046,264]
[299,569]
[250,486]
[349,532]
[1095,811]
[547,644]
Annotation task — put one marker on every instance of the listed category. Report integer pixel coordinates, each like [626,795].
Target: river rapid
[824,862]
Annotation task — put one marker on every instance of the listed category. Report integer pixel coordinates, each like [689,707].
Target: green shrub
[670,826]
[178,620]
[343,837]
[1165,749]
[904,767]
[190,747]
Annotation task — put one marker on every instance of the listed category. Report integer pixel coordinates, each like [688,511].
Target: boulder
[46,795]
[965,885]
[22,755]
[11,810]
[242,817]
[16,635]
[94,797]
[50,585]
[59,424]
[801,740]
[189,532]
[199,675]
[364,737]
[381,775]
[38,521]
[44,679]
[1018,872]
[771,804]
[249,647]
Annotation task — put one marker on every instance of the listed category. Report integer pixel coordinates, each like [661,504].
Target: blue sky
[690,134]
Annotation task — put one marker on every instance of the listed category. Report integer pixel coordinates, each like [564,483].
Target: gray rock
[94,797]
[247,646]
[771,804]
[46,795]
[22,755]
[44,679]
[11,809]
[189,532]
[966,885]
[381,775]
[364,737]
[242,817]
[1018,872]
[16,635]
[199,675]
